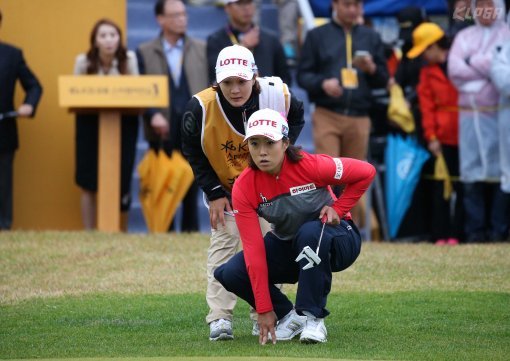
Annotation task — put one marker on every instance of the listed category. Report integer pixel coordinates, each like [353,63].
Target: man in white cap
[213,142]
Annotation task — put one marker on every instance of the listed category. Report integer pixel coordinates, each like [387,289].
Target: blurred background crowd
[418,88]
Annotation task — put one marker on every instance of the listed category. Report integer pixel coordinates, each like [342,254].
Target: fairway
[71,295]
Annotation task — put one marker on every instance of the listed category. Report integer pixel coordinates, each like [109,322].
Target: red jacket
[438,99]
[288,200]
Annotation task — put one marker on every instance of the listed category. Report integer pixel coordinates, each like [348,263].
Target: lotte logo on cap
[233,61]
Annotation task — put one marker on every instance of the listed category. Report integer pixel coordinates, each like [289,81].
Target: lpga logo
[463,13]
[404,165]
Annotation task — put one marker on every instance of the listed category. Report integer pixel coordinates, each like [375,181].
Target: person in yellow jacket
[213,131]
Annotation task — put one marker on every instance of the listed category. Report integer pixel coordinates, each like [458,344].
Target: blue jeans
[340,247]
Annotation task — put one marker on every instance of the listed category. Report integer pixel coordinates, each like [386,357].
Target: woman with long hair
[106,56]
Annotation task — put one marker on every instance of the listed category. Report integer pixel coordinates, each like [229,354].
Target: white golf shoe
[314,331]
[255,330]
[289,326]
[221,330]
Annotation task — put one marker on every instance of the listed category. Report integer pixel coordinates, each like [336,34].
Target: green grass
[91,295]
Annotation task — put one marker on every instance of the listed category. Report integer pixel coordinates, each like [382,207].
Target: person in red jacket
[438,99]
[291,189]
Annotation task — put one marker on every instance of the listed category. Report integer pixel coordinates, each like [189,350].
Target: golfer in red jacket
[291,190]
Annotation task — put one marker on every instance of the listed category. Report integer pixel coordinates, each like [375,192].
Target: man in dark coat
[241,30]
[12,69]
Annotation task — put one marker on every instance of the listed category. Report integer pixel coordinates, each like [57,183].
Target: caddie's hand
[160,125]
[332,216]
[267,323]
[216,209]
[332,87]
[25,110]
[251,38]
[365,64]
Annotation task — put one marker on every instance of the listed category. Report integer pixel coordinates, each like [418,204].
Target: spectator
[500,72]
[408,70]
[241,30]
[340,83]
[438,101]
[341,62]
[12,68]
[291,189]
[213,142]
[182,58]
[469,69]
[107,56]
[288,17]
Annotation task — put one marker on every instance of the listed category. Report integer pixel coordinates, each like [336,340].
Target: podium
[111,96]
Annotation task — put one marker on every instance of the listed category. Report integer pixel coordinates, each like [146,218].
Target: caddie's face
[236,90]
[267,154]
[107,39]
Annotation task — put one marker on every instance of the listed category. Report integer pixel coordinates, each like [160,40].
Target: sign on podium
[111,96]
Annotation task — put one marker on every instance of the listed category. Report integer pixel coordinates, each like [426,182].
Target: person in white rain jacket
[469,66]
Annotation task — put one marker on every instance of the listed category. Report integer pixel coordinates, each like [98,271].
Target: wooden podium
[111,96]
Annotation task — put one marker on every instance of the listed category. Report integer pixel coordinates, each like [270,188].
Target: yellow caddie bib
[224,146]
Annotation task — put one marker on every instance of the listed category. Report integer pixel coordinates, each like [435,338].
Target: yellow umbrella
[146,172]
[168,180]
[398,110]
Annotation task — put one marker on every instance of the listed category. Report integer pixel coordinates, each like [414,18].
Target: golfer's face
[236,90]
[267,154]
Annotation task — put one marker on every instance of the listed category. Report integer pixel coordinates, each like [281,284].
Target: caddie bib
[223,145]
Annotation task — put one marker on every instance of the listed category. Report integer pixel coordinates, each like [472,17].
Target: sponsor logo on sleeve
[302,189]
[339,168]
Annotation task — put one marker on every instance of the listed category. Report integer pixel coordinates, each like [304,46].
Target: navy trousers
[340,246]
[6,179]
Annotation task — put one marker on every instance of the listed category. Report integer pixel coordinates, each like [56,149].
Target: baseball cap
[235,60]
[424,35]
[267,123]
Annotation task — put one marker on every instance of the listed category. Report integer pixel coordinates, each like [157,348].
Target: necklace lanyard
[232,37]
[348,48]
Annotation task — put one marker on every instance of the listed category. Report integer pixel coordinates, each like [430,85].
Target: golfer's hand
[160,125]
[216,209]
[332,87]
[267,323]
[330,213]
[25,110]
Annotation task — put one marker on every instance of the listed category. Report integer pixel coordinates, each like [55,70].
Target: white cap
[267,123]
[235,60]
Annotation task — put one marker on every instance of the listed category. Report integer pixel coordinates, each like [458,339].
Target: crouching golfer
[291,190]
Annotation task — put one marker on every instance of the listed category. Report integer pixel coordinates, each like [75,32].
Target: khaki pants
[225,243]
[340,135]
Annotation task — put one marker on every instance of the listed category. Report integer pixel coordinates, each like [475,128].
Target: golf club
[308,253]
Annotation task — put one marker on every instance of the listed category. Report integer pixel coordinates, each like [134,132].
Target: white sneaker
[289,326]
[221,330]
[315,331]
[255,330]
